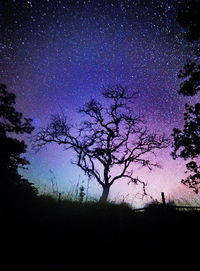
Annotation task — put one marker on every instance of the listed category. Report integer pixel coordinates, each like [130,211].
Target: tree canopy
[187,144]
[187,141]
[11,149]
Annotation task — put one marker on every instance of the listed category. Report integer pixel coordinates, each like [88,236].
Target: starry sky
[55,55]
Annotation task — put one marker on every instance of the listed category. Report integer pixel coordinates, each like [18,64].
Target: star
[58,54]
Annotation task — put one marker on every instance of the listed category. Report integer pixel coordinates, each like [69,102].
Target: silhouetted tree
[108,142]
[187,144]
[11,149]
[188,17]
[187,141]
[190,72]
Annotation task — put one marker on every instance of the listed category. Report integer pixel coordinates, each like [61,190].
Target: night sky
[55,55]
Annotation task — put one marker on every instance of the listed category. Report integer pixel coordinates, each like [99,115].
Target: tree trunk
[105,193]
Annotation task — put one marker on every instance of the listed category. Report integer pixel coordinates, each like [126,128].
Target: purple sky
[58,54]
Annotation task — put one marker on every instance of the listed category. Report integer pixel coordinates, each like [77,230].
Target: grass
[72,235]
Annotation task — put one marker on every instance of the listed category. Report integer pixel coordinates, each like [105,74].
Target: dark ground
[46,235]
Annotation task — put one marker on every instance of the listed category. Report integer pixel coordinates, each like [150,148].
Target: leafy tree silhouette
[110,140]
[187,141]
[188,17]
[13,186]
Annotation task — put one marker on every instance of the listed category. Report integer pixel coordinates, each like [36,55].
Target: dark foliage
[191,73]
[13,187]
[188,17]
[192,181]
[187,141]
[11,120]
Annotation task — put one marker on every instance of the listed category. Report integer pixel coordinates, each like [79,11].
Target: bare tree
[108,142]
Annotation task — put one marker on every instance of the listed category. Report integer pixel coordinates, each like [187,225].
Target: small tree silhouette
[110,140]
[12,122]
[81,193]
